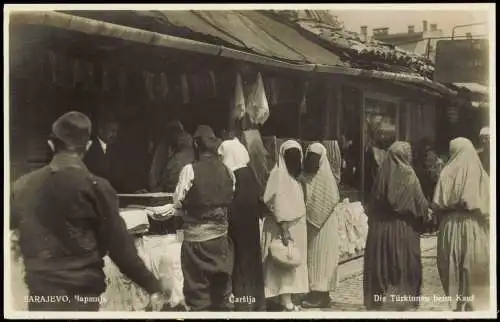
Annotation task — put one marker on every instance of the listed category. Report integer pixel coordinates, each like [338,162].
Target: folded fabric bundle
[160,211]
[136,220]
[353,227]
[145,199]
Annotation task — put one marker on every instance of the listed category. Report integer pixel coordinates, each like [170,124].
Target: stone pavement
[349,293]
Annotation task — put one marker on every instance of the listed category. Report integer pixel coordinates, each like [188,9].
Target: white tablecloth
[162,256]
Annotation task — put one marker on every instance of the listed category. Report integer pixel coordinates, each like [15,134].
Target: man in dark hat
[204,193]
[67,220]
[98,157]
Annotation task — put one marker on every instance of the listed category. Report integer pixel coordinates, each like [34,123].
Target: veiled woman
[244,229]
[322,195]
[397,209]
[284,196]
[461,204]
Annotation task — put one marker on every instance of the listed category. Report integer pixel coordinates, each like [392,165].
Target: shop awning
[254,38]
[474,87]
[107,29]
[313,52]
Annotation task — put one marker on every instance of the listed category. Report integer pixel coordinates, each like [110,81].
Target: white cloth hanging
[239,108]
[257,106]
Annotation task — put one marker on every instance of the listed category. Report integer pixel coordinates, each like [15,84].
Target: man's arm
[118,241]
[185,183]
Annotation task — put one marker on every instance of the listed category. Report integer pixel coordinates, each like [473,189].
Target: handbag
[287,257]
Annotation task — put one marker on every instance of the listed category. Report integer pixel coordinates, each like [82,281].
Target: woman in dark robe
[244,229]
[397,209]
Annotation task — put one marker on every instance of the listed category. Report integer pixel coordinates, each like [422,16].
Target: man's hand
[285,236]
[157,302]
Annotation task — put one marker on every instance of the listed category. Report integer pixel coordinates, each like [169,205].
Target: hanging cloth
[164,86]
[303,103]
[213,82]
[122,80]
[239,108]
[77,71]
[105,78]
[185,89]
[148,84]
[259,156]
[52,57]
[334,157]
[257,106]
[89,76]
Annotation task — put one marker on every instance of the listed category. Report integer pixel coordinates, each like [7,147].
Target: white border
[9,313]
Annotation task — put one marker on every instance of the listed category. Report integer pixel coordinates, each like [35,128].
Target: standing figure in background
[67,220]
[462,205]
[182,154]
[484,150]
[244,229]
[205,193]
[162,154]
[98,157]
[322,195]
[284,196]
[392,263]
[427,167]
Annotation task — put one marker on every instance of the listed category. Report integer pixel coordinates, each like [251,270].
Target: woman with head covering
[322,195]
[244,229]
[285,198]
[484,150]
[461,204]
[396,212]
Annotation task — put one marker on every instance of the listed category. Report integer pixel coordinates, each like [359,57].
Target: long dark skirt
[392,266]
[248,280]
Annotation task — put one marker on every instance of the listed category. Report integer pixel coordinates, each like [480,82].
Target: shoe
[321,300]
[293,308]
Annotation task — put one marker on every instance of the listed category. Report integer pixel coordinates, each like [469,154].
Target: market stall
[160,253]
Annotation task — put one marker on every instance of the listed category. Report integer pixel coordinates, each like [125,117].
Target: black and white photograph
[283,161]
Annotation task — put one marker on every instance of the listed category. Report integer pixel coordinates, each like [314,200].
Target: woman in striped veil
[322,195]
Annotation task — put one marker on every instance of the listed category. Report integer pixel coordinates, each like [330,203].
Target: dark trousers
[50,297]
[207,267]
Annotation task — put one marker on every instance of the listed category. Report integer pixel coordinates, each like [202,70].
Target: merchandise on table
[353,228]
[161,254]
[136,220]
[146,199]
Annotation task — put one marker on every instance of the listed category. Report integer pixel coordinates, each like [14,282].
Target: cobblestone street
[349,294]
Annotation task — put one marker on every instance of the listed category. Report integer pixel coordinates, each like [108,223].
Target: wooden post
[363,141]
[339,111]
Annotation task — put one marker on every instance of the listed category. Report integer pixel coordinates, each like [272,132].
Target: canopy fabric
[193,22]
[314,53]
[254,38]
[474,87]
[250,37]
